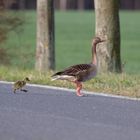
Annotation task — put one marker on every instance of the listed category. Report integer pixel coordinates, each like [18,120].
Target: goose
[81,72]
[20,84]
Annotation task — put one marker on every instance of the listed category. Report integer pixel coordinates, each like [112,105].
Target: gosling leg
[24,90]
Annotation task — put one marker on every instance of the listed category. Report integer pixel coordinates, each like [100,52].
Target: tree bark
[2,6]
[63,5]
[45,52]
[108,26]
[22,4]
[81,4]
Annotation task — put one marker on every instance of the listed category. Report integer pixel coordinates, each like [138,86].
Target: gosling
[18,85]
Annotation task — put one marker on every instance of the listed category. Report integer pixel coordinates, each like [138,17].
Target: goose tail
[60,76]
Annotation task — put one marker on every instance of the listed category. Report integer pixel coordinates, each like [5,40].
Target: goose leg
[78,88]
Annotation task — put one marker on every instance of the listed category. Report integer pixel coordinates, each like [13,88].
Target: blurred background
[70,4]
[74,28]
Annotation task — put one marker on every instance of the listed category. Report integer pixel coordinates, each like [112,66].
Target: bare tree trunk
[136,4]
[22,4]
[107,25]
[2,5]
[45,53]
[80,4]
[8,3]
[63,4]
[57,4]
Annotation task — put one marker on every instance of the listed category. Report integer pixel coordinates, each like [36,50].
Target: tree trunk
[63,5]
[80,4]
[45,53]
[108,26]
[2,5]
[22,4]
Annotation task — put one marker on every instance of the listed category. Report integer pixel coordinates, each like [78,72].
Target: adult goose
[81,72]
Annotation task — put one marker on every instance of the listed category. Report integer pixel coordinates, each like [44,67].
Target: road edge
[72,90]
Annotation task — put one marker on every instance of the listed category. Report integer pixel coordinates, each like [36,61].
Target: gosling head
[27,79]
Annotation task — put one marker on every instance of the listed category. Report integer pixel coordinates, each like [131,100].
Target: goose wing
[74,70]
[80,72]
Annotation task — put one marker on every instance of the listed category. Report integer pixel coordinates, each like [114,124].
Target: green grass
[130,42]
[74,32]
[116,84]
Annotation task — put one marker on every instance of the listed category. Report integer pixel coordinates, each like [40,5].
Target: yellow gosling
[18,85]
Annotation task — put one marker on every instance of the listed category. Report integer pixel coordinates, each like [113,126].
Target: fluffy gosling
[18,85]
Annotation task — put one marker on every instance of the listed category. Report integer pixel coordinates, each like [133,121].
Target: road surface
[53,114]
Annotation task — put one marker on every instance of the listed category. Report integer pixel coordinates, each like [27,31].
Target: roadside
[114,84]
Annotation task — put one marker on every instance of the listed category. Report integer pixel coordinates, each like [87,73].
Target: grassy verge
[116,84]
[74,32]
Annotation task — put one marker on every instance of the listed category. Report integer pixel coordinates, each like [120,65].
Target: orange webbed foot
[78,89]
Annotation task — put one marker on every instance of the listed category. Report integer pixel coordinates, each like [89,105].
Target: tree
[63,4]
[108,26]
[45,36]
[80,4]
[22,4]
[8,22]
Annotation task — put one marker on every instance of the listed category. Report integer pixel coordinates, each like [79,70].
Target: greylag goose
[81,72]
[20,84]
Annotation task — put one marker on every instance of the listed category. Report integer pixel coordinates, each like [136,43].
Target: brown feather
[73,70]
[80,72]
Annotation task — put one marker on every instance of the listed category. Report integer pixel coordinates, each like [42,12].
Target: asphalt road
[52,114]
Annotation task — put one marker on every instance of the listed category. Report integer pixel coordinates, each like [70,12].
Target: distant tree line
[8,22]
[71,4]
